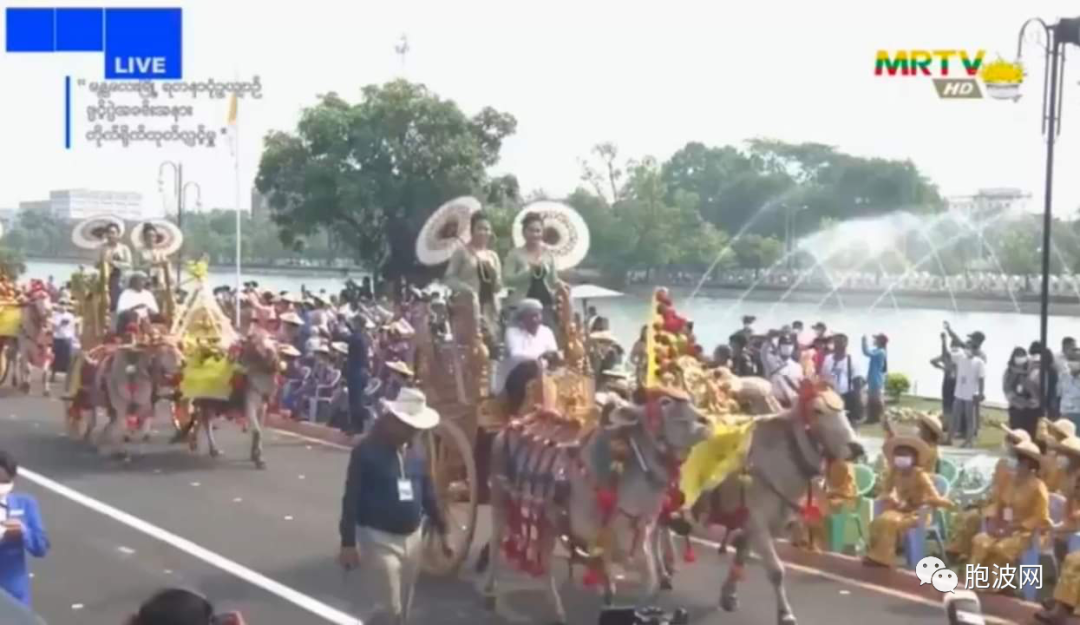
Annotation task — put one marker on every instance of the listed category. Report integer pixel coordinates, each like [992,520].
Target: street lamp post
[180,189]
[1065,31]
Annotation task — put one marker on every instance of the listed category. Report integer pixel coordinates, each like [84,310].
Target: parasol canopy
[592,291]
[168,237]
[445,230]
[565,232]
[89,234]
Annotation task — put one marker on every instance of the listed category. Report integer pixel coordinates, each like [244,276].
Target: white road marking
[892,592]
[311,439]
[125,550]
[310,604]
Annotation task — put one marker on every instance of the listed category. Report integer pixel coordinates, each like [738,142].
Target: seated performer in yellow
[931,432]
[1048,435]
[838,493]
[1067,591]
[1027,511]
[908,487]
[969,523]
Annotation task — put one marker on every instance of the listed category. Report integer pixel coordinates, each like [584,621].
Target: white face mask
[1020,361]
[902,462]
[786,350]
[6,487]
[1011,463]
[1063,462]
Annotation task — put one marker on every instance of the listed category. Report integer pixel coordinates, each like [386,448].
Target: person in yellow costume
[969,523]
[834,495]
[908,487]
[1027,511]
[1067,591]
[1048,434]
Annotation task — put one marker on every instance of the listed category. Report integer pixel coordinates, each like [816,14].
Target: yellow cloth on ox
[711,461]
[10,320]
[208,379]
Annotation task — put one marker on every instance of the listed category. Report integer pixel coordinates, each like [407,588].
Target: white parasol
[89,234]
[169,237]
[565,232]
[445,230]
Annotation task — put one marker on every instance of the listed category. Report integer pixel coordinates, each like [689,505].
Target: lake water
[913,330]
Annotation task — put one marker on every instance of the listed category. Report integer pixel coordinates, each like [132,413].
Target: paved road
[281,523]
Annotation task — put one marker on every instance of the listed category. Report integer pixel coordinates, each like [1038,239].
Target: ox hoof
[259,464]
[215,453]
[489,603]
[729,603]
[665,584]
[787,619]
[48,393]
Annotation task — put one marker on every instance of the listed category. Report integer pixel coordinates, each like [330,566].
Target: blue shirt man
[875,376]
[23,532]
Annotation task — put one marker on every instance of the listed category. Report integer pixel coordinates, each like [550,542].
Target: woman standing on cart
[475,269]
[530,270]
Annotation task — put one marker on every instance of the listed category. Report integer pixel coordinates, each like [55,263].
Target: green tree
[12,263]
[373,172]
[1018,251]
[40,234]
[756,252]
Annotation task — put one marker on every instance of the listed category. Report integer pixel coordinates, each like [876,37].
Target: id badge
[1007,515]
[404,490]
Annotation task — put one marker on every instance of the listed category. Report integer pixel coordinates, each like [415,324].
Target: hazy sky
[648,76]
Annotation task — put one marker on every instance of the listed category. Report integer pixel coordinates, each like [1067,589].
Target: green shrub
[896,384]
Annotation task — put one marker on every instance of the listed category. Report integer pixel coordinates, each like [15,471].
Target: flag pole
[236,199]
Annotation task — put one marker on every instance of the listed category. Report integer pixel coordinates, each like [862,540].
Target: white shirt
[521,346]
[131,298]
[64,326]
[838,371]
[970,369]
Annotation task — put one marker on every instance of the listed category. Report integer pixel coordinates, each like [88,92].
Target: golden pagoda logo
[1002,79]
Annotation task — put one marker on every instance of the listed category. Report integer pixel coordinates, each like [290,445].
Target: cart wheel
[453,470]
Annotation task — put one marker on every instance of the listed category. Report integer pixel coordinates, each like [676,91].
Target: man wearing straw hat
[907,489]
[1027,511]
[388,493]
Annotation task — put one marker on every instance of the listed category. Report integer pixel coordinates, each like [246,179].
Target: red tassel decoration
[688,553]
[591,578]
[606,499]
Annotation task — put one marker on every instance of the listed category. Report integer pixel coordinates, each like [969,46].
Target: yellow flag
[232,109]
[232,124]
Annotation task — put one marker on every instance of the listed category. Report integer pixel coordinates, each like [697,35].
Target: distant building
[7,217]
[77,204]
[989,203]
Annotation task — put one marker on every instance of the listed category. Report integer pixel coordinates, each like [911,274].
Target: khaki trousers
[389,567]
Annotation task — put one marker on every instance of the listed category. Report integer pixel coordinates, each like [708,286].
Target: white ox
[558,486]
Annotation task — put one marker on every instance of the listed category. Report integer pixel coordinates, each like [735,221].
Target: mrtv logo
[953,72]
[137,43]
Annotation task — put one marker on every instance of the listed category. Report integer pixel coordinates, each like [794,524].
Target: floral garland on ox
[669,344]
